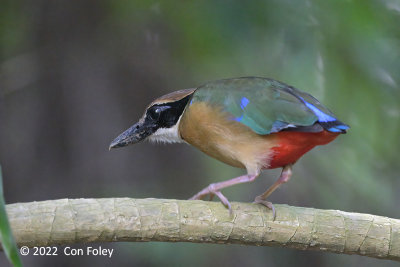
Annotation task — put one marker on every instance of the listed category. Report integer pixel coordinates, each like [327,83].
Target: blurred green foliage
[345,53]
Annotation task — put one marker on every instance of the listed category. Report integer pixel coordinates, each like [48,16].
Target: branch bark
[67,221]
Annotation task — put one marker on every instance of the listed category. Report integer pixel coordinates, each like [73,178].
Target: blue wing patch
[343,127]
[339,128]
[334,130]
[239,118]
[327,121]
[244,102]
[322,117]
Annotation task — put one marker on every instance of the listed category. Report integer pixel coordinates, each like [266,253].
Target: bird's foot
[210,190]
[266,203]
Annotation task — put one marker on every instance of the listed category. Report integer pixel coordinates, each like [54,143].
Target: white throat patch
[167,135]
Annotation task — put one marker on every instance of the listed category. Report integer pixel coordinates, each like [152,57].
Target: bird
[252,123]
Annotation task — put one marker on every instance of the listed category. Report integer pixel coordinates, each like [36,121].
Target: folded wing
[268,106]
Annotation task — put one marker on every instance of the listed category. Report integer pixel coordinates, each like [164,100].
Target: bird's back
[267,106]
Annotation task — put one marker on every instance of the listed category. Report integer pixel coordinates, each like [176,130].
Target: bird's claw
[212,193]
[267,204]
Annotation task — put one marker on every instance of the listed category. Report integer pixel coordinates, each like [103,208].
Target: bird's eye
[155,112]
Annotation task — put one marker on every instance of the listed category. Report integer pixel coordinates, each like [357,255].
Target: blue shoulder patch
[244,102]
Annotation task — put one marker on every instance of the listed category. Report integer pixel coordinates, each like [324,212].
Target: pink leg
[283,178]
[215,189]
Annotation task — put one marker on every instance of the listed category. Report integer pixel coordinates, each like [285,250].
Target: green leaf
[6,237]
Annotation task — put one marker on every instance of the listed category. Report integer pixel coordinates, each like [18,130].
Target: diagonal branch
[67,221]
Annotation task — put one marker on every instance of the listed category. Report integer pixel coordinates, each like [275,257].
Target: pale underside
[209,129]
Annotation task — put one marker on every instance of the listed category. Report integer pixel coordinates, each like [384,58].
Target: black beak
[133,135]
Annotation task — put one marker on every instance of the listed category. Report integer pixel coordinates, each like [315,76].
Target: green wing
[264,105]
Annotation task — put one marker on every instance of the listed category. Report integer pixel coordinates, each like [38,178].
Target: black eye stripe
[156,111]
[166,115]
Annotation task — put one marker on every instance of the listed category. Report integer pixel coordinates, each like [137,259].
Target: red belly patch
[293,145]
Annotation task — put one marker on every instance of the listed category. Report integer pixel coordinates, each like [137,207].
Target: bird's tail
[335,126]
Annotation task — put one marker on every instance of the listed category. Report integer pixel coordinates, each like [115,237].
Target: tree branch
[67,221]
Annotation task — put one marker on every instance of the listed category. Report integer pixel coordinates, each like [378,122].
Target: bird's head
[159,122]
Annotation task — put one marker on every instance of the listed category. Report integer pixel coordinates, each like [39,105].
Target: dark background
[74,74]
